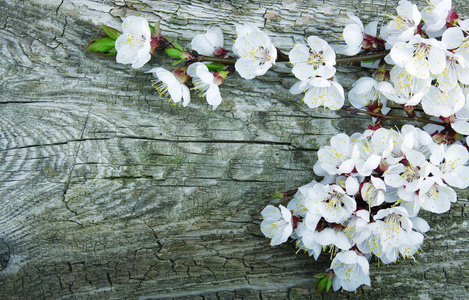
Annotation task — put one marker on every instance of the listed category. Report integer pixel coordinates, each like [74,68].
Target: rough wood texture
[108,191]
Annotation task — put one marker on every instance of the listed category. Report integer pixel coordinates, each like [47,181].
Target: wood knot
[4,254]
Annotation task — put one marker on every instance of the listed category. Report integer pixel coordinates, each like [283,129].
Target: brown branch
[378,115]
[284,58]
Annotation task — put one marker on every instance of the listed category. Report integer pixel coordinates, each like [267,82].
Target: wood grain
[108,191]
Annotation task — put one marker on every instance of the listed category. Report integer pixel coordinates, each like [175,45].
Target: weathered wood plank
[108,191]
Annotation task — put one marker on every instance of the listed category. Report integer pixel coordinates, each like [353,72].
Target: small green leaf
[173,52]
[179,47]
[320,285]
[112,32]
[328,285]
[101,45]
[176,62]
[320,275]
[277,195]
[112,52]
[152,29]
[370,61]
[216,67]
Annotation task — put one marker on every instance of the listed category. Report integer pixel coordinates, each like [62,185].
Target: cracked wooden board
[109,191]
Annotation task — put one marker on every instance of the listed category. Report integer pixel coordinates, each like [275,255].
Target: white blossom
[317,60]
[320,91]
[403,27]
[435,196]
[456,71]
[277,224]
[306,240]
[169,86]
[204,83]
[405,88]
[461,124]
[331,202]
[420,57]
[334,238]
[392,224]
[435,15]
[372,192]
[257,53]
[409,177]
[374,146]
[354,34]
[208,42]
[351,270]
[340,156]
[365,91]
[133,45]
[450,165]
[438,103]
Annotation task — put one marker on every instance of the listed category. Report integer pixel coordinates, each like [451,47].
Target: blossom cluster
[375,183]
[429,64]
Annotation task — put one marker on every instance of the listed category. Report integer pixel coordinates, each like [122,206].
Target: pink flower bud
[452,19]
[181,74]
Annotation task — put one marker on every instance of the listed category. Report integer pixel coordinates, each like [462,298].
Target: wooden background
[108,191]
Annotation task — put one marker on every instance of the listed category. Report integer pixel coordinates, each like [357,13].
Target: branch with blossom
[375,182]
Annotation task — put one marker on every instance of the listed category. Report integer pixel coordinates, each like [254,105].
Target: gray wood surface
[108,191]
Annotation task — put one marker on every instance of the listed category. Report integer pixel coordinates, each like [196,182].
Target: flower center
[316,59]
[263,55]
[412,173]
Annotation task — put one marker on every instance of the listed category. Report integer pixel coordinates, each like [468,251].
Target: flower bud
[181,74]
[448,120]
[381,74]
[452,19]
[220,52]
[220,76]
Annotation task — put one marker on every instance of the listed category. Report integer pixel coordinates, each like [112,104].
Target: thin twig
[378,115]
[284,58]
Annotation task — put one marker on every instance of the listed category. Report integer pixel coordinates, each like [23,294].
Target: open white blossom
[374,146]
[435,15]
[296,205]
[351,270]
[420,57]
[372,192]
[456,71]
[331,202]
[354,35]
[365,91]
[393,224]
[461,123]
[409,177]
[333,238]
[317,60]
[320,91]
[133,45]
[403,27]
[204,83]
[277,224]
[208,42]
[450,165]
[257,53]
[306,240]
[456,38]
[437,103]
[404,88]
[169,86]
[340,156]
[435,196]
